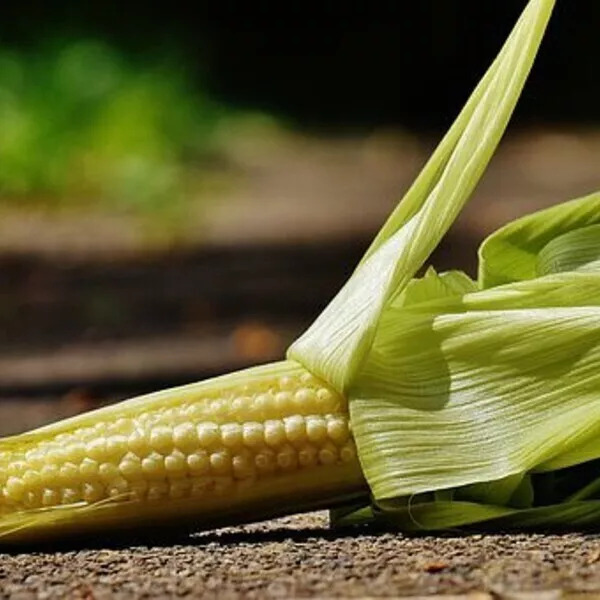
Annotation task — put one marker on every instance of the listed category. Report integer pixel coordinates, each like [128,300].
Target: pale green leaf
[517,251]
[437,516]
[337,343]
[433,285]
[532,21]
[588,450]
[476,388]
[577,250]
[515,491]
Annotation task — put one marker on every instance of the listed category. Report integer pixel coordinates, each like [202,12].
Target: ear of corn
[207,453]
[450,401]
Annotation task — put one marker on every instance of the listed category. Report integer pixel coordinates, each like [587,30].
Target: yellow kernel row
[153,477]
[176,463]
[185,438]
[119,490]
[269,404]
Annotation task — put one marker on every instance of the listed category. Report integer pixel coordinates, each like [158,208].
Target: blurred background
[181,192]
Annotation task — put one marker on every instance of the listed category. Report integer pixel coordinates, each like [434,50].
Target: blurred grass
[81,126]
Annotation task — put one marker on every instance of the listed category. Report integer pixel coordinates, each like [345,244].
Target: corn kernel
[14,489]
[70,495]
[295,428]
[328,454]
[219,409]
[308,456]
[198,462]
[92,491]
[208,434]
[253,434]
[49,474]
[305,400]
[31,478]
[50,497]
[116,447]
[175,463]
[337,429]
[231,435]
[88,468]
[32,499]
[243,464]
[287,458]
[117,487]
[138,443]
[69,473]
[283,403]
[240,408]
[262,404]
[121,426]
[35,458]
[308,379]
[316,429]
[55,456]
[348,453]
[130,466]
[108,472]
[185,437]
[196,412]
[138,489]
[220,461]
[161,439]
[287,383]
[326,400]
[265,461]
[76,451]
[274,433]
[154,466]
[96,449]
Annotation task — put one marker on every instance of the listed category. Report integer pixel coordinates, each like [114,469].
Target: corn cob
[387,365]
[214,449]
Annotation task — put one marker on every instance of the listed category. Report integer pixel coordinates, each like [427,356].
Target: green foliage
[80,124]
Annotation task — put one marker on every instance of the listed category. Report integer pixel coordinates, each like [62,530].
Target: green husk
[437,516]
[338,342]
[547,241]
[482,407]
[479,387]
[464,396]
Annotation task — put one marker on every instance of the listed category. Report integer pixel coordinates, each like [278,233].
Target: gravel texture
[299,557]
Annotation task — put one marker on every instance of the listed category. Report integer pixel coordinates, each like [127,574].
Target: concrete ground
[299,557]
